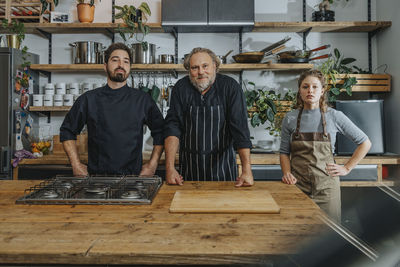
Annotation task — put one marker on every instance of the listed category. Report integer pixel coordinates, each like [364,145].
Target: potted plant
[260,105]
[135,19]
[86,11]
[269,107]
[17,33]
[334,66]
[46,5]
[324,13]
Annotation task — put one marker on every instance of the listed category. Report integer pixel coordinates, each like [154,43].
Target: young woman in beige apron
[310,164]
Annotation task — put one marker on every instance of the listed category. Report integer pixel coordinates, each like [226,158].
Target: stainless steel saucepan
[86,52]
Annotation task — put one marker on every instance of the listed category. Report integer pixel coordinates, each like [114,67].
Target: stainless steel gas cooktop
[118,190]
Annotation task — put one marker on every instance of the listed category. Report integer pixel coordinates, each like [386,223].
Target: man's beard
[117,77]
[201,86]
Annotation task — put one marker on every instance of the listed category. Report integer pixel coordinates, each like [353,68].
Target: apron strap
[298,123]
[324,123]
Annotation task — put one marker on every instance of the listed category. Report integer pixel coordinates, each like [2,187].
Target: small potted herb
[135,19]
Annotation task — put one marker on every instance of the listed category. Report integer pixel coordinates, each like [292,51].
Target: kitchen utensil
[277,44]
[166,59]
[224,57]
[302,59]
[140,55]
[100,57]
[256,57]
[86,52]
[300,53]
[275,50]
[223,201]
[249,57]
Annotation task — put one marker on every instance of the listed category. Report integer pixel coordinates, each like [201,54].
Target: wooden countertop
[258,159]
[149,234]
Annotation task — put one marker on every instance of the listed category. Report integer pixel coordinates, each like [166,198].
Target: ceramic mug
[48,100]
[68,100]
[60,89]
[38,100]
[49,89]
[58,100]
[73,89]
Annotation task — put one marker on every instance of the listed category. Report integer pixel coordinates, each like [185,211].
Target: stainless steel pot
[166,59]
[100,57]
[142,56]
[86,52]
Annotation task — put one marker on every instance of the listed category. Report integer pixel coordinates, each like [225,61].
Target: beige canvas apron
[310,152]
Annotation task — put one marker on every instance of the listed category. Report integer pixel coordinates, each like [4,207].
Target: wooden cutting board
[223,201]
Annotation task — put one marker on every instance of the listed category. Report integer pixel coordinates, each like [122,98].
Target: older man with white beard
[206,120]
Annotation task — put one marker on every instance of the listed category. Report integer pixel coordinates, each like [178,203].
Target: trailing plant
[260,105]
[268,107]
[284,104]
[135,19]
[18,28]
[46,4]
[338,65]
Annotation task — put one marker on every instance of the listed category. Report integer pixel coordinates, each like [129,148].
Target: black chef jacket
[115,120]
[208,127]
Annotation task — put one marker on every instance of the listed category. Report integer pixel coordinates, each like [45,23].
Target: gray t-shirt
[311,121]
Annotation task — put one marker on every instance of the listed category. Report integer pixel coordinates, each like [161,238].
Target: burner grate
[93,190]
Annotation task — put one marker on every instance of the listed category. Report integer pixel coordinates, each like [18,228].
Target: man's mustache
[120,69]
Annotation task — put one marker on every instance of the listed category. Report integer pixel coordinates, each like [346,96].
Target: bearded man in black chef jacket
[206,120]
[114,115]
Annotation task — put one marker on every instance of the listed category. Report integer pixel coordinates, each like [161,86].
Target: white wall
[351,44]
[388,53]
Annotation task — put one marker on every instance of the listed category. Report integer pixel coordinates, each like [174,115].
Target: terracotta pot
[85,13]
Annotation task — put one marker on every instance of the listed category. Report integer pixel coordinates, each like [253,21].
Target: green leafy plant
[18,28]
[46,4]
[268,107]
[15,27]
[338,65]
[135,19]
[283,104]
[260,105]
[90,2]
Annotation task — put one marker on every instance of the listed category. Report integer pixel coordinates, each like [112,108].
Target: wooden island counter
[149,234]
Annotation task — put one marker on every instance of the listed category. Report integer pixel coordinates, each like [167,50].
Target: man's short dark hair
[117,46]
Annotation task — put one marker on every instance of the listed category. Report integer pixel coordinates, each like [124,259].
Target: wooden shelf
[43,108]
[71,28]
[326,26]
[365,183]
[107,28]
[167,67]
